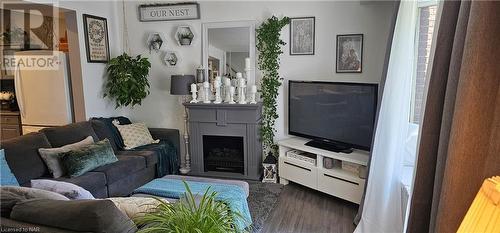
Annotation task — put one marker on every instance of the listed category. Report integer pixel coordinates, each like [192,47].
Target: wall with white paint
[161,109]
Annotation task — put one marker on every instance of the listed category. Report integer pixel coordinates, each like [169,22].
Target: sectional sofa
[133,168]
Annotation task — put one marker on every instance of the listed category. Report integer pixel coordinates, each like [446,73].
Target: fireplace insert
[223,154]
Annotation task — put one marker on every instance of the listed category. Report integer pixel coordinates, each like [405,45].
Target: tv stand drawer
[297,172]
[341,187]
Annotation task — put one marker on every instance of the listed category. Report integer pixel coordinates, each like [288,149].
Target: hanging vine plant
[270,46]
[127,81]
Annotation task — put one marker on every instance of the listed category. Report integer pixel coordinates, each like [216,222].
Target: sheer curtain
[382,205]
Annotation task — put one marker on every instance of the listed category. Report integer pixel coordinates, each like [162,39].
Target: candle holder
[206,92]
[231,95]
[194,90]
[253,91]
[217,85]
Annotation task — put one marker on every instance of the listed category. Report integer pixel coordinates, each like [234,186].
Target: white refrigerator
[43,93]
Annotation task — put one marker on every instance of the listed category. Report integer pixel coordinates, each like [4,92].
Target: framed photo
[302,32]
[349,53]
[96,38]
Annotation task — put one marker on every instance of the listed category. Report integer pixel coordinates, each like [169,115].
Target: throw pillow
[84,159]
[135,207]
[6,176]
[51,156]
[10,196]
[100,216]
[135,135]
[69,190]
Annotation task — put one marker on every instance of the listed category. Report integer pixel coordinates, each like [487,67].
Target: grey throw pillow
[11,195]
[76,215]
[51,156]
[69,190]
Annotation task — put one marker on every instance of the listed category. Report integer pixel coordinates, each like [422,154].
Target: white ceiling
[230,39]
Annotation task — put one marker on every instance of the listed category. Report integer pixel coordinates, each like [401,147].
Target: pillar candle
[247,63]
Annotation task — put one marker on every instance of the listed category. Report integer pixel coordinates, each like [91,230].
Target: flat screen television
[338,116]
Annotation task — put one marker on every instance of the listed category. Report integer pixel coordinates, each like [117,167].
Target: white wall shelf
[336,181]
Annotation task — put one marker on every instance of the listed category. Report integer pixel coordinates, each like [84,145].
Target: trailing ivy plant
[127,82]
[270,46]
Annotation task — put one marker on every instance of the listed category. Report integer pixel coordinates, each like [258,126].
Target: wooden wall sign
[169,12]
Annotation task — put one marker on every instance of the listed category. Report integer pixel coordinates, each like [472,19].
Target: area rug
[262,199]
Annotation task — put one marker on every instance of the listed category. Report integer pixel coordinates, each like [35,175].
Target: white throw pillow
[135,135]
[69,190]
[52,159]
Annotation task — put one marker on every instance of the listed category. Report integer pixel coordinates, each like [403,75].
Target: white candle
[231,90]
[247,63]
[253,89]
[206,84]
[239,75]
[227,82]
[193,87]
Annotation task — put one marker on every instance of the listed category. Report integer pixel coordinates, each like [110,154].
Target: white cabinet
[336,181]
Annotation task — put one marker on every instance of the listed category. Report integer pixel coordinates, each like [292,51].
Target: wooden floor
[301,209]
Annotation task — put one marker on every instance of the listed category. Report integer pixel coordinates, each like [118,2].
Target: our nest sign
[168,12]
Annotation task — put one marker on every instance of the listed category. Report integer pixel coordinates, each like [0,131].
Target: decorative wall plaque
[169,12]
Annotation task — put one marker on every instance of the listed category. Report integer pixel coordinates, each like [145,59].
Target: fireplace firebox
[224,140]
[223,154]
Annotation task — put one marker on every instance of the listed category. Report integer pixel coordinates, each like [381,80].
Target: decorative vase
[185,41]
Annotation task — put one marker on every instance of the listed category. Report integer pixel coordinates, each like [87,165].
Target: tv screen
[333,111]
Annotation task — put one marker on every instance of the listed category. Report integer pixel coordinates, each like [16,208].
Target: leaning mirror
[228,49]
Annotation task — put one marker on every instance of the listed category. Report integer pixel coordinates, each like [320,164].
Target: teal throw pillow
[87,158]
[6,176]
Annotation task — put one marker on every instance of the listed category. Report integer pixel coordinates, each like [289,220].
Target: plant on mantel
[270,46]
[127,82]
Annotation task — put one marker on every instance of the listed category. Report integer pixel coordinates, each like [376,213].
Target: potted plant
[127,82]
[186,37]
[189,214]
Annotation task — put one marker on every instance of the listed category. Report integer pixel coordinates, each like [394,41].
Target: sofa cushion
[108,121]
[91,181]
[64,135]
[10,196]
[69,190]
[103,131]
[150,156]
[87,158]
[52,156]
[125,166]
[22,156]
[76,215]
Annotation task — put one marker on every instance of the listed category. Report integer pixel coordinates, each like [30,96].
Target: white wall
[161,109]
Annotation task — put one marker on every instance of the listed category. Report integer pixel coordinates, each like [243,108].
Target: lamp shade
[484,213]
[180,84]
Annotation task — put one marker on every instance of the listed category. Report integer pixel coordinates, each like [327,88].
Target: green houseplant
[186,37]
[189,215]
[127,83]
[270,46]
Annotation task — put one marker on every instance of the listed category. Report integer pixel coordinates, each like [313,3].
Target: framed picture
[349,53]
[302,35]
[96,38]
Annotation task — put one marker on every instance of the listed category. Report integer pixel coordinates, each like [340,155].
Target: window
[425,28]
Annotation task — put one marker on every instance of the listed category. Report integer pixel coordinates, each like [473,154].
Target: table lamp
[180,85]
[484,213]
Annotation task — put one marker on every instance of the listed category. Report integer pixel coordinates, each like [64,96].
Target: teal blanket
[232,195]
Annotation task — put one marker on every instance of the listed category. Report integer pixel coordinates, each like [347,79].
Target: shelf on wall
[184,29]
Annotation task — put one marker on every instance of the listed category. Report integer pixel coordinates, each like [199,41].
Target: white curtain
[382,207]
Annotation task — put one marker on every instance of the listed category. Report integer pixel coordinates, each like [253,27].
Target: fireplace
[224,140]
[223,154]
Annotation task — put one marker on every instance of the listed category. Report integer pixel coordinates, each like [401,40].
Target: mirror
[227,47]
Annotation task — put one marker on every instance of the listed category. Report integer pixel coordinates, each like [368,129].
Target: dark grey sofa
[133,169]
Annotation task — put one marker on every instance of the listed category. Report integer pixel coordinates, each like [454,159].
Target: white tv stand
[336,181]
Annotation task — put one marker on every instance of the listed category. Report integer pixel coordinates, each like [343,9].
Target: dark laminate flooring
[300,209]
